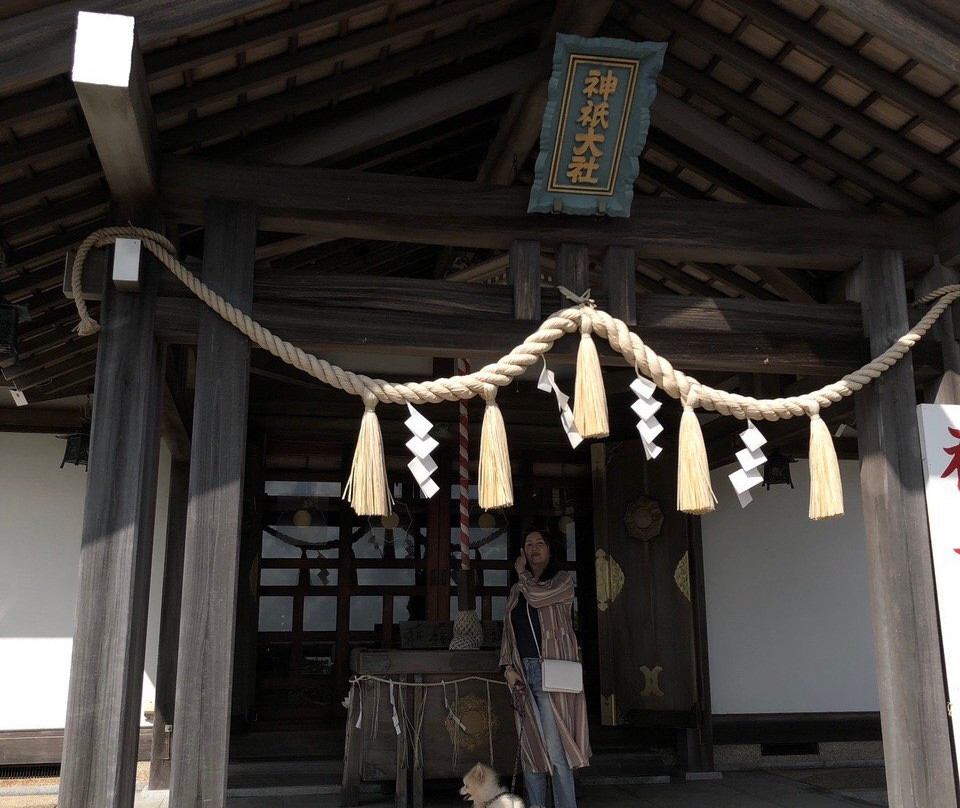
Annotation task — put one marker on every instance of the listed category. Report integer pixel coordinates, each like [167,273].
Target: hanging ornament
[751,459]
[421,445]
[646,407]
[548,384]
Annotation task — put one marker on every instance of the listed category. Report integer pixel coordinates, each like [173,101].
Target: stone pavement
[804,788]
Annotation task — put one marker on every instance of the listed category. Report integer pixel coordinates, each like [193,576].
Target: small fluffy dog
[481,786]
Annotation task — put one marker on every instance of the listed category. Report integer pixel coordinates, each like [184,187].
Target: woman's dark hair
[553,543]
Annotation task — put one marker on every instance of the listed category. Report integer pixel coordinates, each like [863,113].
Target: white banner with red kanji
[940,447]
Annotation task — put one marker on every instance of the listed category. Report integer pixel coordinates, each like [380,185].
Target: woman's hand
[513,678]
[520,564]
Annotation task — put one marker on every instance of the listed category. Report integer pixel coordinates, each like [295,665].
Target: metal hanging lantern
[776,471]
[78,447]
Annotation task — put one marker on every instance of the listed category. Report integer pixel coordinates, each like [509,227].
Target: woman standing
[538,624]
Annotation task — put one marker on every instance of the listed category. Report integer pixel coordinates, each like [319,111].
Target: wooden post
[245,637]
[524,273]
[573,268]
[164,699]
[910,675]
[211,559]
[944,389]
[619,281]
[98,768]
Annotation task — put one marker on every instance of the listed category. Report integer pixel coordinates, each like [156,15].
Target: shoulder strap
[533,631]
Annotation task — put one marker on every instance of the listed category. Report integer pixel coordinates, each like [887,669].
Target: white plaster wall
[788,606]
[41,513]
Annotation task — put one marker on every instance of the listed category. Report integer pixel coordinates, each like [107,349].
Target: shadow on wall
[42,507]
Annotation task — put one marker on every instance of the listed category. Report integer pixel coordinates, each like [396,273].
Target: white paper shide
[421,446]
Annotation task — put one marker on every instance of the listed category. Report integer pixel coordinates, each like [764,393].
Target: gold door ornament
[682,575]
[643,519]
[609,579]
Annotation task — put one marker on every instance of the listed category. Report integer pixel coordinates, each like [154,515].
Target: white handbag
[558,675]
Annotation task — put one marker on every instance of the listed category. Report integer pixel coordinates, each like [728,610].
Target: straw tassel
[367,489]
[694,491]
[589,397]
[826,489]
[495,483]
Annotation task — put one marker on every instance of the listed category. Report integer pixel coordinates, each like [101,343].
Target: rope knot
[370,400]
[580,300]
[489,393]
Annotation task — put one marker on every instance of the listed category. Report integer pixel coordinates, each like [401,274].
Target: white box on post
[126,265]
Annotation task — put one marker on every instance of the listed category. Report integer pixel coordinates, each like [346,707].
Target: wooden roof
[793,102]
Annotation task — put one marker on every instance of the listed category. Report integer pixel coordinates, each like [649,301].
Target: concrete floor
[811,788]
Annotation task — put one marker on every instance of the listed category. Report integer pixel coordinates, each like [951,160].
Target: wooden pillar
[248,586]
[944,389]
[524,273]
[164,700]
[910,675]
[106,675]
[573,268]
[205,664]
[620,284]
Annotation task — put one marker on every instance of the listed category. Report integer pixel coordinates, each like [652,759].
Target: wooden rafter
[520,127]
[752,63]
[39,44]
[848,60]
[792,135]
[911,25]
[321,57]
[314,95]
[380,124]
[741,155]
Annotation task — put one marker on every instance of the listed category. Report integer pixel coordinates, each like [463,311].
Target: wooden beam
[524,276]
[106,673]
[205,662]
[789,285]
[619,279]
[910,25]
[573,268]
[31,419]
[948,235]
[380,124]
[112,87]
[694,334]
[779,78]
[426,211]
[680,278]
[38,44]
[520,127]
[485,270]
[742,156]
[916,736]
[172,589]
[848,60]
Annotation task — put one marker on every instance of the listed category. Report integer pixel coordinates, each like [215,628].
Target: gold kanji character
[597,84]
[589,140]
[580,169]
[592,114]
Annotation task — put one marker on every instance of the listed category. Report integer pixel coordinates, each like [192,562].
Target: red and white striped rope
[463,368]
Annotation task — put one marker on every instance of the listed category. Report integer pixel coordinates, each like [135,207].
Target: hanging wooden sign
[595,125]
